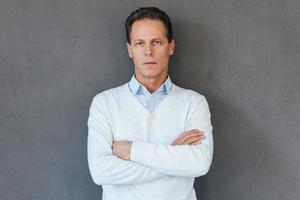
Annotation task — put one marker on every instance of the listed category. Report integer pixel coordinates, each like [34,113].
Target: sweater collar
[136,87]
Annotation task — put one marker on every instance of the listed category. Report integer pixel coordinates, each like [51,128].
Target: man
[149,138]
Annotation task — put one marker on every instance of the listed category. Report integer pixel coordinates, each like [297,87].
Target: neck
[152,83]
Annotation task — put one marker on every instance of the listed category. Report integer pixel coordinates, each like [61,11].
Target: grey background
[243,55]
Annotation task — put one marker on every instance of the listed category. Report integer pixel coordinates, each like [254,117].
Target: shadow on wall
[242,156]
[241,149]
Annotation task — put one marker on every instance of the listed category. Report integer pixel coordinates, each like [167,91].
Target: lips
[149,63]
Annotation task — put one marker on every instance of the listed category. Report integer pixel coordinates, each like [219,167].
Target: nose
[148,50]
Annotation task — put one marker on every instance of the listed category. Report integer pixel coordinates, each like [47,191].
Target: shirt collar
[136,86]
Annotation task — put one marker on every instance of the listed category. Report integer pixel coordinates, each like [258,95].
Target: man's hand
[122,149]
[191,137]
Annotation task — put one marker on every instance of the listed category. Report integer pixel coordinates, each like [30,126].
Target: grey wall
[243,55]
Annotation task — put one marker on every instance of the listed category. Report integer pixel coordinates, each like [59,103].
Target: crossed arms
[122,149]
[127,162]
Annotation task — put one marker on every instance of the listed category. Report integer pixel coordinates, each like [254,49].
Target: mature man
[149,138]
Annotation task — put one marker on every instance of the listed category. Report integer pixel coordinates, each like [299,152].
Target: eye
[138,44]
[157,42]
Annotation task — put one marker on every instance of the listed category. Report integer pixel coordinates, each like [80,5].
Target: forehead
[147,28]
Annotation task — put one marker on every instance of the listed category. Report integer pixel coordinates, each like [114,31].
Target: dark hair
[148,13]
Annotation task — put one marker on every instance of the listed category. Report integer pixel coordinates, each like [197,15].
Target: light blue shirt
[149,100]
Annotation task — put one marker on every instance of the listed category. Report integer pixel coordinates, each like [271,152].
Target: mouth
[149,63]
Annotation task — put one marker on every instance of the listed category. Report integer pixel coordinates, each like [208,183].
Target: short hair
[148,13]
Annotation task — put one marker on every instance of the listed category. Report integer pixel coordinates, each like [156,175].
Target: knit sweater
[156,169]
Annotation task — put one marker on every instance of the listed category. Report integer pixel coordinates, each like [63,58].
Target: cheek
[165,52]
[164,56]
[137,59]
[135,56]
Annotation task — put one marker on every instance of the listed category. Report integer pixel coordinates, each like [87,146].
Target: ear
[171,47]
[129,49]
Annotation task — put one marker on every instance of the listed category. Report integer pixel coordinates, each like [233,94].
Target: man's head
[149,42]
[148,13]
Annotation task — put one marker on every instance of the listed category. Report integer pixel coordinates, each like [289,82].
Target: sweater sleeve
[180,160]
[105,168]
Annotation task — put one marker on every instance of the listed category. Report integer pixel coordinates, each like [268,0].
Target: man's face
[149,48]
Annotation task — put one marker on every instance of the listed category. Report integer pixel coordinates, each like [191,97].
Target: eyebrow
[150,40]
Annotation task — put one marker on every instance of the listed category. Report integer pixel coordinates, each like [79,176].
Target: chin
[150,72]
[149,75]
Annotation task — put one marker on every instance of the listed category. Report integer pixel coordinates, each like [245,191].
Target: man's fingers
[199,141]
[193,139]
[190,134]
[195,143]
[189,140]
[184,138]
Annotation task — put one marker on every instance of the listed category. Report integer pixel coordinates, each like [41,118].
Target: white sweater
[156,170]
